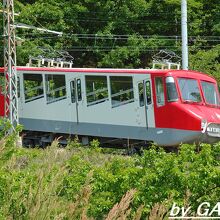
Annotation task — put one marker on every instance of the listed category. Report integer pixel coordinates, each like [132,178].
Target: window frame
[145,96]
[216,91]
[50,100]
[176,90]
[146,83]
[97,91]
[199,89]
[131,90]
[2,84]
[73,91]
[25,91]
[79,89]
[156,92]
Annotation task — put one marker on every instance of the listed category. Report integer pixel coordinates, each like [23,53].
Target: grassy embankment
[91,183]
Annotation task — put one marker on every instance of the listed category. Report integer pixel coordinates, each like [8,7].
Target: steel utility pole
[184,35]
[11,88]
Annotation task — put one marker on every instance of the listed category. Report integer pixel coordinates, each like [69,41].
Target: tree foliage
[122,33]
[207,61]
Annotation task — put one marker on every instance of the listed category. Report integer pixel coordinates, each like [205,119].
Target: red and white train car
[167,107]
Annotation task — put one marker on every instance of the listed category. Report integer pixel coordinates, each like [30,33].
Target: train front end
[197,108]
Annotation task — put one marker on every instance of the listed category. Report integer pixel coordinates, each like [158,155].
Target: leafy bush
[76,182]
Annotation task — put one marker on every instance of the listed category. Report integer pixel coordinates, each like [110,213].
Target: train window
[33,87]
[189,89]
[210,93]
[172,95]
[56,88]
[141,94]
[121,90]
[76,85]
[73,91]
[18,85]
[147,91]
[159,91]
[96,89]
[79,89]
[2,84]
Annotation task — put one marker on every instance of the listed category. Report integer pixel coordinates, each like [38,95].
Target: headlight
[203,125]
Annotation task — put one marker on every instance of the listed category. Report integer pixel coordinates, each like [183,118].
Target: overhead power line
[109,48]
[129,48]
[118,38]
[50,34]
[142,14]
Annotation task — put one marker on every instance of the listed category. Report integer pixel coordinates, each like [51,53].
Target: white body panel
[64,110]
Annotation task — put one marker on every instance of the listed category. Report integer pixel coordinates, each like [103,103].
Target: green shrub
[76,183]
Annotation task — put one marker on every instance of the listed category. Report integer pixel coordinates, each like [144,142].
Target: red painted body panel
[180,115]
[185,116]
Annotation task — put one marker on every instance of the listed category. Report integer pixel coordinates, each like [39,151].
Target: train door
[76,98]
[146,102]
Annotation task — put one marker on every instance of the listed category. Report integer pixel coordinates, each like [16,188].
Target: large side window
[96,89]
[159,91]
[33,87]
[56,87]
[121,90]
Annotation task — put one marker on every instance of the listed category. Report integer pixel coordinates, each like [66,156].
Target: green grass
[92,183]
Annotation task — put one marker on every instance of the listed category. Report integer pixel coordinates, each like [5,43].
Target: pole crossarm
[11,87]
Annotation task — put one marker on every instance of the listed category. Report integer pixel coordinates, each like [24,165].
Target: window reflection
[210,93]
[172,95]
[189,89]
[160,91]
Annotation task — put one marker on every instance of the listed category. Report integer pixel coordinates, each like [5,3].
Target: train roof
[166,72]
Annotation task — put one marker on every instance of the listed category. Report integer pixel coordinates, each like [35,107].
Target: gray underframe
[161,136]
